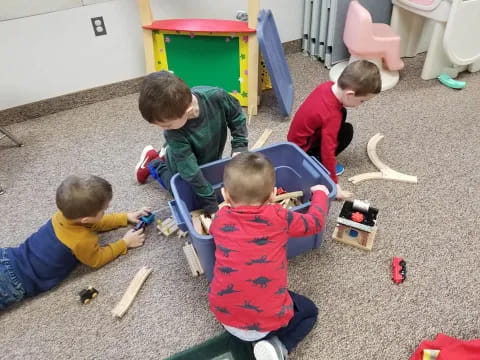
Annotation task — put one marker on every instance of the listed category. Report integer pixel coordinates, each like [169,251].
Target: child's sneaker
[142,172]
[271,349]
[339,169]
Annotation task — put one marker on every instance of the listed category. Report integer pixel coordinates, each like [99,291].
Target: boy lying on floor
[67,239]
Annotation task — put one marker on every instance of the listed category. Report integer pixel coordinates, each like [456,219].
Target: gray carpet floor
[430,131]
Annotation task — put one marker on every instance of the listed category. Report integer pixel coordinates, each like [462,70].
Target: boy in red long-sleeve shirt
[248,293]
[319,126]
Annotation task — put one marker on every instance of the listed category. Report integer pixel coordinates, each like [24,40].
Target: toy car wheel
[86,301]
[94,295]
[403,272]
[402,263]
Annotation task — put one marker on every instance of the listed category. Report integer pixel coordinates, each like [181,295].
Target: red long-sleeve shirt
[450,348]
[320,116]
[249,286]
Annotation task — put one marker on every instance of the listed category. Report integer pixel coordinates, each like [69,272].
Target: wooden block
[168,230]
[294,194]
[127,299]
[196,212]
[290,203]
[167,227]
[197,225]
[166,222]
[182,234]
[206,222]
[192,259]
[364,240]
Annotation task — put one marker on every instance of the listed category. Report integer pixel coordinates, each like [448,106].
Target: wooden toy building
[222,53]
[357,224]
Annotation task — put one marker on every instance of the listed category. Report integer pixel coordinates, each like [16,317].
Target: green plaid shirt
[202,140]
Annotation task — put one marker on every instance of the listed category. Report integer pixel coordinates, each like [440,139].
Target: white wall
[13,9]
[57,53]
[288,13]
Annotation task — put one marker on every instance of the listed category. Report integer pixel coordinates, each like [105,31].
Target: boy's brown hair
[362,77]
[249,178]
[163,97]
[79,197]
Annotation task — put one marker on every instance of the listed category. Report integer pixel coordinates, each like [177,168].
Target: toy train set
[357,224]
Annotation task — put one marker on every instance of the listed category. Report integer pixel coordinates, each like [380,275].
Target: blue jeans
[160,172]
[11,289]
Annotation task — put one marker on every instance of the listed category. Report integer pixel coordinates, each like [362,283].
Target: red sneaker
[141,170]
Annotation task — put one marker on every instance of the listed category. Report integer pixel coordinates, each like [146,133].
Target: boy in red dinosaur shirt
[319,126]
[248,293]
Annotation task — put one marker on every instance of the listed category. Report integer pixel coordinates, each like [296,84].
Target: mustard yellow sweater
[83,240]
[50,254]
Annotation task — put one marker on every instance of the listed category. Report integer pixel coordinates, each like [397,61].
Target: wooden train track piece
[262,139]
[127,299]
[385,173]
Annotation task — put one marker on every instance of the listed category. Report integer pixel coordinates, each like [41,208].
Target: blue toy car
[144,221]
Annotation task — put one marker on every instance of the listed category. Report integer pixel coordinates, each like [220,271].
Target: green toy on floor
[222,347]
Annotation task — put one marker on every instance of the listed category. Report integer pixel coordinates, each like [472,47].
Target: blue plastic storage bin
[295,170]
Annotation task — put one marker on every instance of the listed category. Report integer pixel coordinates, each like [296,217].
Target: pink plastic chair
[367,40]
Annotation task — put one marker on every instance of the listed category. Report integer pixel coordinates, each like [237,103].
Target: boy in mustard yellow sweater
[67,239]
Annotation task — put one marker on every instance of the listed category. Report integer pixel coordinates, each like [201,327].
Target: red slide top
[201,25]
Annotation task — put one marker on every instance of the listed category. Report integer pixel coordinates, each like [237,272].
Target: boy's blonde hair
[79,197]
[362,77]
[249,178]
[163,97]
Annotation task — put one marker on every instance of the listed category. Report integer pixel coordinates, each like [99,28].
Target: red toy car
[399,270]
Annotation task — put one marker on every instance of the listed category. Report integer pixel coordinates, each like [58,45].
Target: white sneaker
[271,349]
[163,152]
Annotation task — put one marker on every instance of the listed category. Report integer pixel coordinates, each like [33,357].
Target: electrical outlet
[99,26]
[242,15]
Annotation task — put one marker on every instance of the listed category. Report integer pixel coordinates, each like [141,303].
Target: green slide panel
[205,60]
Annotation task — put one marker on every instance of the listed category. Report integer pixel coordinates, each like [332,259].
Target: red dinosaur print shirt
[249,286]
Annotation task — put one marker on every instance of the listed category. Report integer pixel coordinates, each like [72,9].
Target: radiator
[323,24]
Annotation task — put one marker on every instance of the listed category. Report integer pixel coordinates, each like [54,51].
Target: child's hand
[320,188]
[343,194]
[133,217]
[134,238]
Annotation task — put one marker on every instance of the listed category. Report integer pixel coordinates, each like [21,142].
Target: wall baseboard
[68,101]
[292,47]
[90,96]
